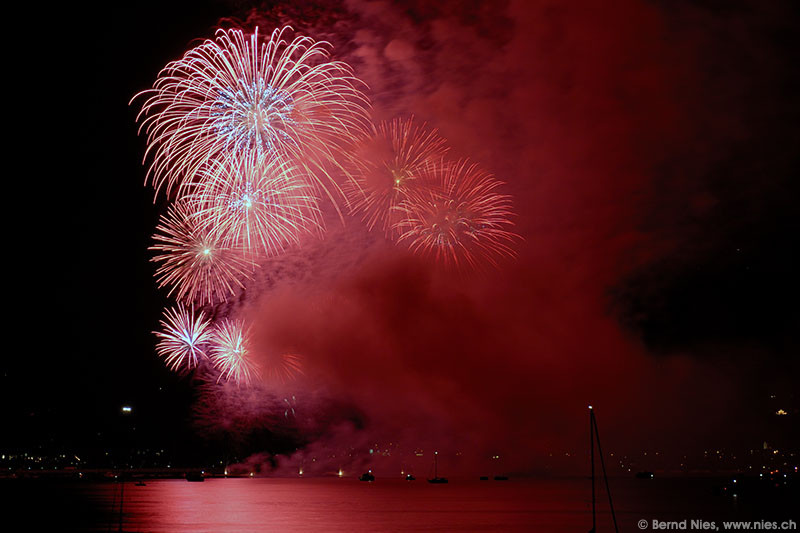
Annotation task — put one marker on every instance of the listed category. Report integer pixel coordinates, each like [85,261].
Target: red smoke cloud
[598,119]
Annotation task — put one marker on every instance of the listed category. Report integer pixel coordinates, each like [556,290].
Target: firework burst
[230,352]
[194,262]
[284,368]
[458,218]
[256,203]
[185,338]
[242,93]
[387,164]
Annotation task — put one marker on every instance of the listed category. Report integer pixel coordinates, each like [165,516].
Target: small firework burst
[458,218]
[194,262]
[243,93]
[256,203]
[285,367]
[230,352]
[185,338]
[385,165]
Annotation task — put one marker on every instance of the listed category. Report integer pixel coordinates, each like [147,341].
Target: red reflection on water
[349,505]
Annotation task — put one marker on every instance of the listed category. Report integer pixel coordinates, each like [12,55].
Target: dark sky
[651,152]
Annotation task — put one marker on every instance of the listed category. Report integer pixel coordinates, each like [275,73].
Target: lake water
[332,505]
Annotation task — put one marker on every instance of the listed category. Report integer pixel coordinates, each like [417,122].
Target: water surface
[334,505]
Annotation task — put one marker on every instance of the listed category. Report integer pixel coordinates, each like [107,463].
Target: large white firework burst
[241,93]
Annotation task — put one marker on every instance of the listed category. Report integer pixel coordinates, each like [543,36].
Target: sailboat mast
[591,456]
[605,474]
[594,434]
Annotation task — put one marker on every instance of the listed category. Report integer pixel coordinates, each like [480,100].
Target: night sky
[651,150]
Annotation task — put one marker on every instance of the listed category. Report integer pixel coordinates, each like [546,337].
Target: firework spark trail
[230,352]
[194,262]
[459,218]
[290,407]
[185,338]
[284,367]
[385,165]
[256,203]
[239,94]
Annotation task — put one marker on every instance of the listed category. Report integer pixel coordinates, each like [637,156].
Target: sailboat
[594,436]
[436,478]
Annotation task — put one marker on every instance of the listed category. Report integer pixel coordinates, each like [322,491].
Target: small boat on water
[645,475]
[367,476]
[501,478]
[410,477]
[436,478]
[484,478]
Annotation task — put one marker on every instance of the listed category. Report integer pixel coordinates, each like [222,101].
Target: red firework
[230,352]
[385,165]
[194,262]
[458,218]
[283,368]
